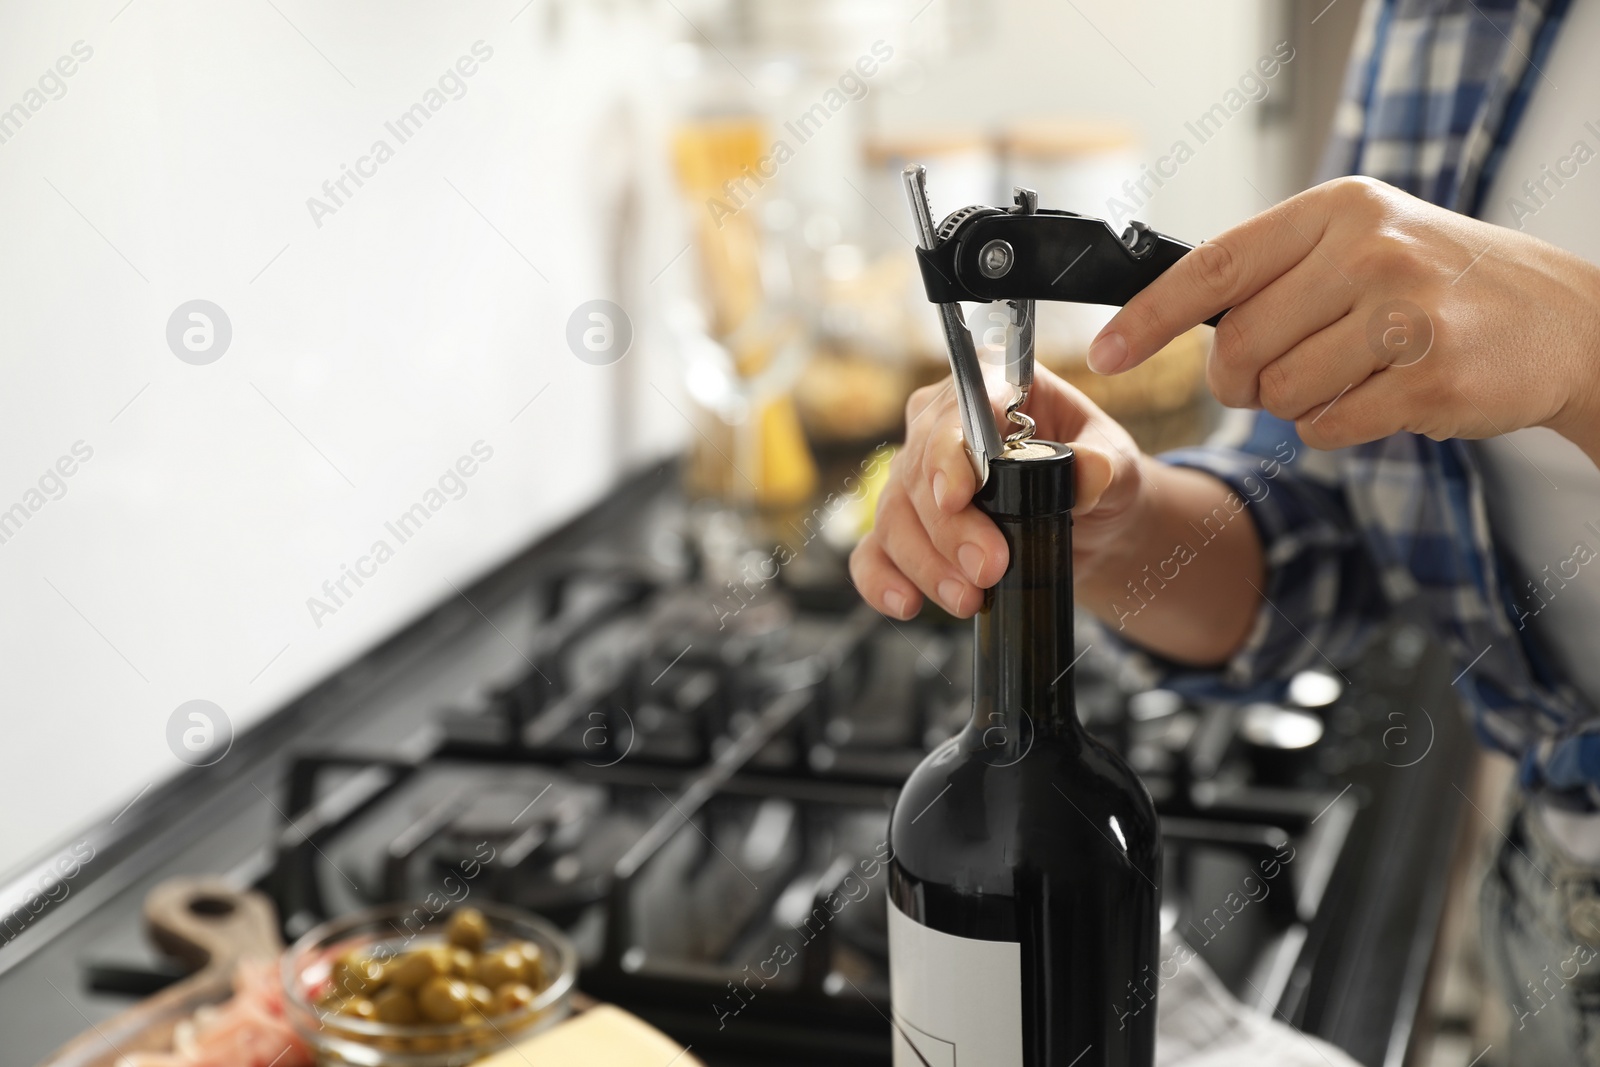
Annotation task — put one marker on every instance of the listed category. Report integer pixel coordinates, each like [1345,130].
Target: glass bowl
[388,931]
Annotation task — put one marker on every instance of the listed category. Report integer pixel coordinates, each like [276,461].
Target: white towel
[1200,1024]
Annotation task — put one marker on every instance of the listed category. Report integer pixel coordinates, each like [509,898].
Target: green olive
[360,1008]
[532,963]
[463,964]
[502,965]
[482,997]
[355,972]
[513,996]
[444,1000]
[395,1006]
[419,965]
[468,929]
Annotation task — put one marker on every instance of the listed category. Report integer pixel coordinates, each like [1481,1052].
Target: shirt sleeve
[1321,601]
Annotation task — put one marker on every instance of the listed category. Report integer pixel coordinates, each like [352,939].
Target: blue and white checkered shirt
[1432,96]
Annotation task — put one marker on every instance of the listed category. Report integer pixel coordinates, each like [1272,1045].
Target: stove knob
[1584,919]
[1314,689]
[1153,704]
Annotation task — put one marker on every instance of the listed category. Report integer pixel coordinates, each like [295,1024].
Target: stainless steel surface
[437,749]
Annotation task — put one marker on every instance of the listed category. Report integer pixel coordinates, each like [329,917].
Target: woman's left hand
[1360,311]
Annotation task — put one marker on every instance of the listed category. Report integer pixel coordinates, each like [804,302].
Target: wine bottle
[1024,904]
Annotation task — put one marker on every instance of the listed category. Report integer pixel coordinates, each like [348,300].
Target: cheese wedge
[602,1035]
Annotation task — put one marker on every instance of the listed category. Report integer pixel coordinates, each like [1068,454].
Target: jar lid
[927,144]
[1053,138]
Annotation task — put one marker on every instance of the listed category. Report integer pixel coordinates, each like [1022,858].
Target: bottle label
[956,1000]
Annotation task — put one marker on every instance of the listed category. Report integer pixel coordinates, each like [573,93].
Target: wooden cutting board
[212,926]
[203,922]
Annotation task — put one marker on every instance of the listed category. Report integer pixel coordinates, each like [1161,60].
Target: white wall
[366,358]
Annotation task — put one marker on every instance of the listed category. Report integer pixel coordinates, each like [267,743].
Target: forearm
[1185,578]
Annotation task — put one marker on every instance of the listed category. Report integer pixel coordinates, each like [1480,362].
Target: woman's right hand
[928,538]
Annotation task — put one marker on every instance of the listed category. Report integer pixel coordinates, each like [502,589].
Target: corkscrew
[1021,255]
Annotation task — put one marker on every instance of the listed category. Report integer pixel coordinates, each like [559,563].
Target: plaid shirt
[1432,96]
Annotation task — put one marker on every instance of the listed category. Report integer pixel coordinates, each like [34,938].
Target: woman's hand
[928,539]
[1360,311]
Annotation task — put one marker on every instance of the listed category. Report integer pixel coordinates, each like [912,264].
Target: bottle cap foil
[1033,480]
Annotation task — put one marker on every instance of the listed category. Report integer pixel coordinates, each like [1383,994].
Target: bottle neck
[1024,659]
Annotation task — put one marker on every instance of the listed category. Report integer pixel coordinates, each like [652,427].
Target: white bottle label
[956,1001]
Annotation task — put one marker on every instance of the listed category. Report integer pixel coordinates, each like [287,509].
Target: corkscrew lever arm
[1020,256]
[977,417]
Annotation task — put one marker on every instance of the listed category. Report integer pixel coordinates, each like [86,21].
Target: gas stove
[698,790]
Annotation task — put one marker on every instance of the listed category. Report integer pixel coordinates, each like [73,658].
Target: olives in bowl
[405,986]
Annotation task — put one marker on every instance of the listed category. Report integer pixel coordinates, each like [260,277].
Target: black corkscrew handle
[987,254]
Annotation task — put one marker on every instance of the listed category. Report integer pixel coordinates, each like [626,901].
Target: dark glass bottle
[1026,855]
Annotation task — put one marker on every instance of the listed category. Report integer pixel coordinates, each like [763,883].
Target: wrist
[1578,419]
[1584,434]
[1121,542]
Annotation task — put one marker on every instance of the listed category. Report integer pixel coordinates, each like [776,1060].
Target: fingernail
[1108,353]
[970,556]
[950,594]
[940,484]
[896,602]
